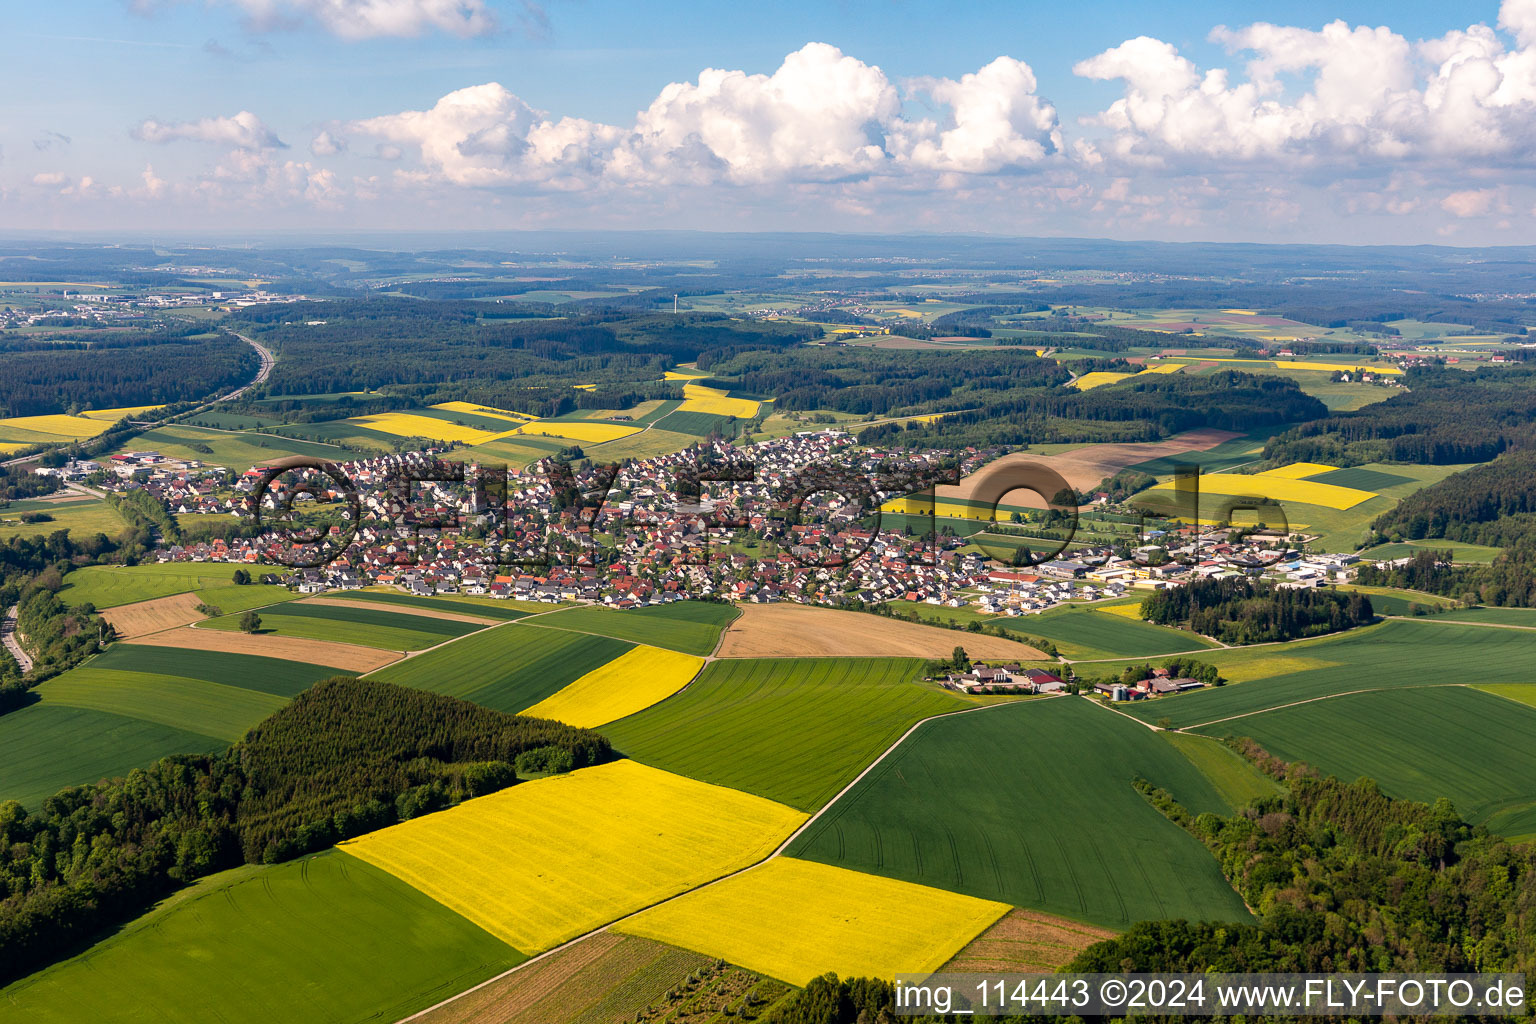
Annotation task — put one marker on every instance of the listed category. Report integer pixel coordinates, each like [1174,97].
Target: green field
[1416,743]
[1395,601]
[795,730]
[1046,818]
[45,747]
[82,519]
[324,940]
[191,705]
[264,675]
[1084,634]
[1361,479]
[489,607]
[232,449]
[370,627]
[1394,655]
[697,424]
[507,668]
[107,586]
[1234,778]
[692,627]
[1459,552]
[1524,617]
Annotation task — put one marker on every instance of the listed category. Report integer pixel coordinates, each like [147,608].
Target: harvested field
[1084,468]
[348,658]
[145,617]
[428,613]
[803,631]
[605,978]
[1026,941]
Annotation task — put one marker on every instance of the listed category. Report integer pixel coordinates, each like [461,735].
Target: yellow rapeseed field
[683,375]
[629,683]
[405,424]
[946,509]
[1281,489]
[1298,470]
[1242,312]
[1163,368]
[856,924]
[579,430]
[1097,378]
[76,428]
[1286,364]
[484,410]
[547,860]
[113,415]
[698,398]
[1125,611]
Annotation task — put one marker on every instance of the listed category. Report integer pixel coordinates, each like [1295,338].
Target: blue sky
[146,114]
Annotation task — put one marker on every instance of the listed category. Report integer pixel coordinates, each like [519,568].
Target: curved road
[8,637]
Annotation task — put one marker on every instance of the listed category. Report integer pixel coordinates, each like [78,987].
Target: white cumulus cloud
[243,131]
[996,122]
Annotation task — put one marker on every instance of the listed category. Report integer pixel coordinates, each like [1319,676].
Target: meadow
[236,450]
[692,627]
[1395,655]
[632,682]
[1238,782]
[693,423]
[84,518]
[323,939]
[644,445]
[795,730]
[1395,601]
[107,586]
[1367,734]
[1460,552]
[545,861]
[1048,820]
[1084,633]
[848,922]
[506,668]
[368,627]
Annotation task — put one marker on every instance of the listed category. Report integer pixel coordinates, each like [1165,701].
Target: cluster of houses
[986,678]
[1160,683]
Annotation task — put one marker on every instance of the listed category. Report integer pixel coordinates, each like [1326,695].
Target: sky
[1382,123]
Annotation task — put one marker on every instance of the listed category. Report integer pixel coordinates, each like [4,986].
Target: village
[651,536]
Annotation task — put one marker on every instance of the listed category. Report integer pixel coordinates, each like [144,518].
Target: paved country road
[8,637]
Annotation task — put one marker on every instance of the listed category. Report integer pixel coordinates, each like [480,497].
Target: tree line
[345,757]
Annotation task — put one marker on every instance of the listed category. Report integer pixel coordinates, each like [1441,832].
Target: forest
[346,757]
[1492,504]
[1237,610]
[362,345]
[117,370]
[1447,416]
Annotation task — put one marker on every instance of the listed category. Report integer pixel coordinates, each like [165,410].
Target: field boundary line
[714,881]
[1122,714]
[1314,700]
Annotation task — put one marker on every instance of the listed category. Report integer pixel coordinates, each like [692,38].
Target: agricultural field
[606,978]
[188,705]
[1272,486]
[367,627]
[45,747]
[1086,633]
[490,607]
[792,730]
[350,659]
[692,627]
[1366,734]
[1395,601]
[54,428]
[144,617]
[795,630]
[647,444]
[107,586]
[583,432]
[1395,655]
[405,424]
[326,938]
[84,518]
[848,922]
[507,668]
[632,682]
[537,864]
[446,612]
[237,450]
[1025,941]
[276,676]
[717,402]
[1523,617]
[1460,552]
[1056,827]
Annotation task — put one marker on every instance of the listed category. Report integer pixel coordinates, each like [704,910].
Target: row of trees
[346,757]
